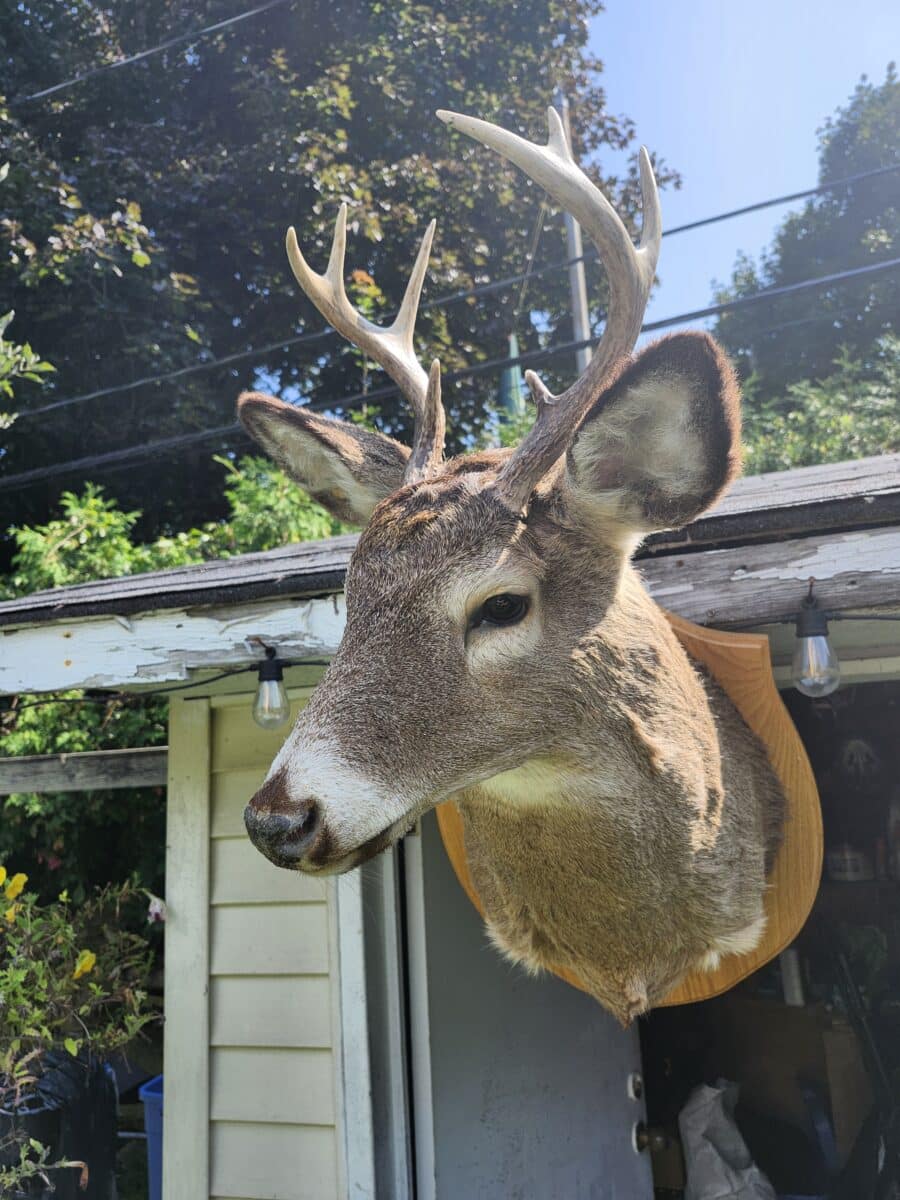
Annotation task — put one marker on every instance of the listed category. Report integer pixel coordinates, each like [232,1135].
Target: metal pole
[581,326]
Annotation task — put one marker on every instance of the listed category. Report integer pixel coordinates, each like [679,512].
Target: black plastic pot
[74,1113]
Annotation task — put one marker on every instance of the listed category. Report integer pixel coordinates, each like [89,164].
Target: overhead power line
[138,454]
[484,289]
[180,40]
[789,197]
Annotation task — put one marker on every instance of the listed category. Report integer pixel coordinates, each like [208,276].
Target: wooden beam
[152,649]
[745,584]
[763,583]
[84,772]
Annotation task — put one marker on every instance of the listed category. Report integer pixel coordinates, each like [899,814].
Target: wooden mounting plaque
[741,664]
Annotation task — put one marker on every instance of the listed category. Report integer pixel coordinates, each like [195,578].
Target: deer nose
[285,830]
[284,837]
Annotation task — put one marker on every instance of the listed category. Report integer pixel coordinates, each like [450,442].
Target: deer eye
[504,609]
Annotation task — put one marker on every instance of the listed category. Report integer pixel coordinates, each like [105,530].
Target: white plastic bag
[718,1163]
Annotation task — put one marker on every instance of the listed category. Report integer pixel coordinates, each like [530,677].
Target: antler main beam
[629,269]
[392,348]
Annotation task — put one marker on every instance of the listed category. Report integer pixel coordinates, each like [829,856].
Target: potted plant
[73,991]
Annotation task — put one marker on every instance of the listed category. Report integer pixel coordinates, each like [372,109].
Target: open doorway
[813,1039]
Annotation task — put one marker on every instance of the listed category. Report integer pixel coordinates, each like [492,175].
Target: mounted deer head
[501,650]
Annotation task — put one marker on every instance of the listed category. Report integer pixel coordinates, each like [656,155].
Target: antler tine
[392,347]
[428,439]
[630,271]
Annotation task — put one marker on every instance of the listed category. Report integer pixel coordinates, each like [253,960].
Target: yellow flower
[85,962]
[15,885]
[2,876]
[10,913]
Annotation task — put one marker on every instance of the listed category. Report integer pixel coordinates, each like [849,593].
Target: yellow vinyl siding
[278,1086]
[275,939]
[278,1162]
[230,792]
[241,875]
[271,1010]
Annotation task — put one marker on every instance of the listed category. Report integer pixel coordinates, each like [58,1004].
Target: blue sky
[731,93]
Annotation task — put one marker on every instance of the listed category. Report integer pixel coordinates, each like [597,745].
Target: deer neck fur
[664,792]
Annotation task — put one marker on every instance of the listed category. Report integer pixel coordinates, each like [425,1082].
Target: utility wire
[845,181]
[131,454]
[484,289]
[529,259]
[179,373]
[181,39]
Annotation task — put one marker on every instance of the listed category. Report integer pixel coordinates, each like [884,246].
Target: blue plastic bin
[151,1095]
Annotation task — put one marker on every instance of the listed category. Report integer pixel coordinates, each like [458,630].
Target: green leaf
[140,258]
[72,1046]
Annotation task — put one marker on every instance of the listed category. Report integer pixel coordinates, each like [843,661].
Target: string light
[815,669]
[271,708]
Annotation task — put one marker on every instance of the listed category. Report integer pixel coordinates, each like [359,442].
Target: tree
[799,337]
[145,227]
[851,413]
[16,362]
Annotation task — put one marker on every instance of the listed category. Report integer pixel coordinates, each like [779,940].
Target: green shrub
[73,980]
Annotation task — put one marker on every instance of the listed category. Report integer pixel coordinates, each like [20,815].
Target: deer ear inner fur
[662,442]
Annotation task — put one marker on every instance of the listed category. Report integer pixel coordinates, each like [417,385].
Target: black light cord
[132,697]
[838,616]
[829,616]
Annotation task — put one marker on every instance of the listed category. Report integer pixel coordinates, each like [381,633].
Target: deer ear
[347,469]
[662,442]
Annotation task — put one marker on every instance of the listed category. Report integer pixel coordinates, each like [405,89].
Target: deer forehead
[448,539]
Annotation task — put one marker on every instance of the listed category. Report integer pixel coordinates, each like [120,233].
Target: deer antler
[630,272]
[392,348]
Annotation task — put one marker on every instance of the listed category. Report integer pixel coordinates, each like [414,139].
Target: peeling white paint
[662,591]
[844,552]
[162,647]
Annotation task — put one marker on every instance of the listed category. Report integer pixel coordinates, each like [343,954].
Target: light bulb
[816,671]
[271,708]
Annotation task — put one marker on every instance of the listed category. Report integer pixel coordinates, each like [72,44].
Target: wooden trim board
[186,1038]
[353,1085]
[740,662]
[84,771]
